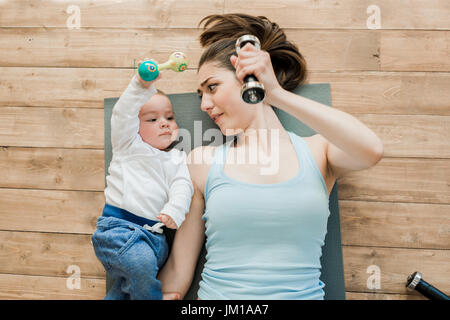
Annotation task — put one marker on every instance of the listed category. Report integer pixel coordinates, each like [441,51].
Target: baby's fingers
[141,61]
[145,59]
[168,221]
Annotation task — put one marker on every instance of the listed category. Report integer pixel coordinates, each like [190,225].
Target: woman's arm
[178,272]
[350,144]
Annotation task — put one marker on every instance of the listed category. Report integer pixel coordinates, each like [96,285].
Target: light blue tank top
[264,241]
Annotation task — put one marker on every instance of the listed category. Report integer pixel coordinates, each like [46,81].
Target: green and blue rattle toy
[149,70]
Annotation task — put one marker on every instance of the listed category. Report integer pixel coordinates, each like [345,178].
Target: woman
[264,229]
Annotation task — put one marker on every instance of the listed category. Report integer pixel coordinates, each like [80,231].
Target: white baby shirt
[142,179]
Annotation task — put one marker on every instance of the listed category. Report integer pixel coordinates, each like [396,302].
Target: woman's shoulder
[199,161]
[202,155]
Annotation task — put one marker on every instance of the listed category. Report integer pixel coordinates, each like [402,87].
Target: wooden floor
[53,79]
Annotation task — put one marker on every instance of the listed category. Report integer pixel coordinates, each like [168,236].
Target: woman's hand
[249,61]
[171,296]
[146,84]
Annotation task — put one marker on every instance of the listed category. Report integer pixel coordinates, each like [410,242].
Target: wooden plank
[411,136]
[415,50]
[42,168]
[48,254]
[74,48]
[337,50]
[402,135]
[50,210]
[392,179]
[354,92]
[348,14]
[25,287]
[382,296]
[363,223]
[326,14]
[384,224]
[323,50]
[404,93]
[395,265]
[52,127]
[400,180]
[78,87]
[427,135]
[108,13]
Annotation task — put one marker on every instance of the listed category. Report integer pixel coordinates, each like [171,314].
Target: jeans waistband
[112,211]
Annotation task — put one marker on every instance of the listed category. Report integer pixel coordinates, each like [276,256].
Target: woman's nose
[206,103]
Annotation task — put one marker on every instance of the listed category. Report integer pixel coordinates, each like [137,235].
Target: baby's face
[157,125]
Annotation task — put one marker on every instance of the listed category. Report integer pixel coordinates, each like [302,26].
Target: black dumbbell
[415,282]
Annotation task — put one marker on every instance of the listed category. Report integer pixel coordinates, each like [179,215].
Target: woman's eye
[210,87]
[170,118]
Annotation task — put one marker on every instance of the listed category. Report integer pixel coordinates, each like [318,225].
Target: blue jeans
[132,257]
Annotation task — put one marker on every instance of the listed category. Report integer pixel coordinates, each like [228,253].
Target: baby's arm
[125,120]
[180,196]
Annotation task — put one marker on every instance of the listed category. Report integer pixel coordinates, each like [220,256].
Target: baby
[148,187]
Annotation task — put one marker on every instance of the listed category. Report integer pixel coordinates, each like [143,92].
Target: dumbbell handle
[252,91]
[415,282]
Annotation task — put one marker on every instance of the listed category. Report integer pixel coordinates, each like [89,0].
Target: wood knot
[58,179]
[88,84]
[68,113]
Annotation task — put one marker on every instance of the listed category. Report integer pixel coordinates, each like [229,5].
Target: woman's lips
[217,118]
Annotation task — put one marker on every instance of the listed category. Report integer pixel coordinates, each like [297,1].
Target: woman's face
[220,93]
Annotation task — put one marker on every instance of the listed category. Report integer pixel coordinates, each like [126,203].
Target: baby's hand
[144,83]
[168,221]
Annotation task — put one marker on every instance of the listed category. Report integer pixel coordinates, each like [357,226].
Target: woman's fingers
[249,61]
[171,296]
[254,69]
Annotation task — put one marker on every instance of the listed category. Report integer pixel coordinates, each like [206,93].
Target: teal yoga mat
[187,111]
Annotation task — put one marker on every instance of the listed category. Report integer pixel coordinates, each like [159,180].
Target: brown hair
[220,33]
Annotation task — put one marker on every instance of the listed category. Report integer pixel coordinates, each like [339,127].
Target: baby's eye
[151,120]
[170,118]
